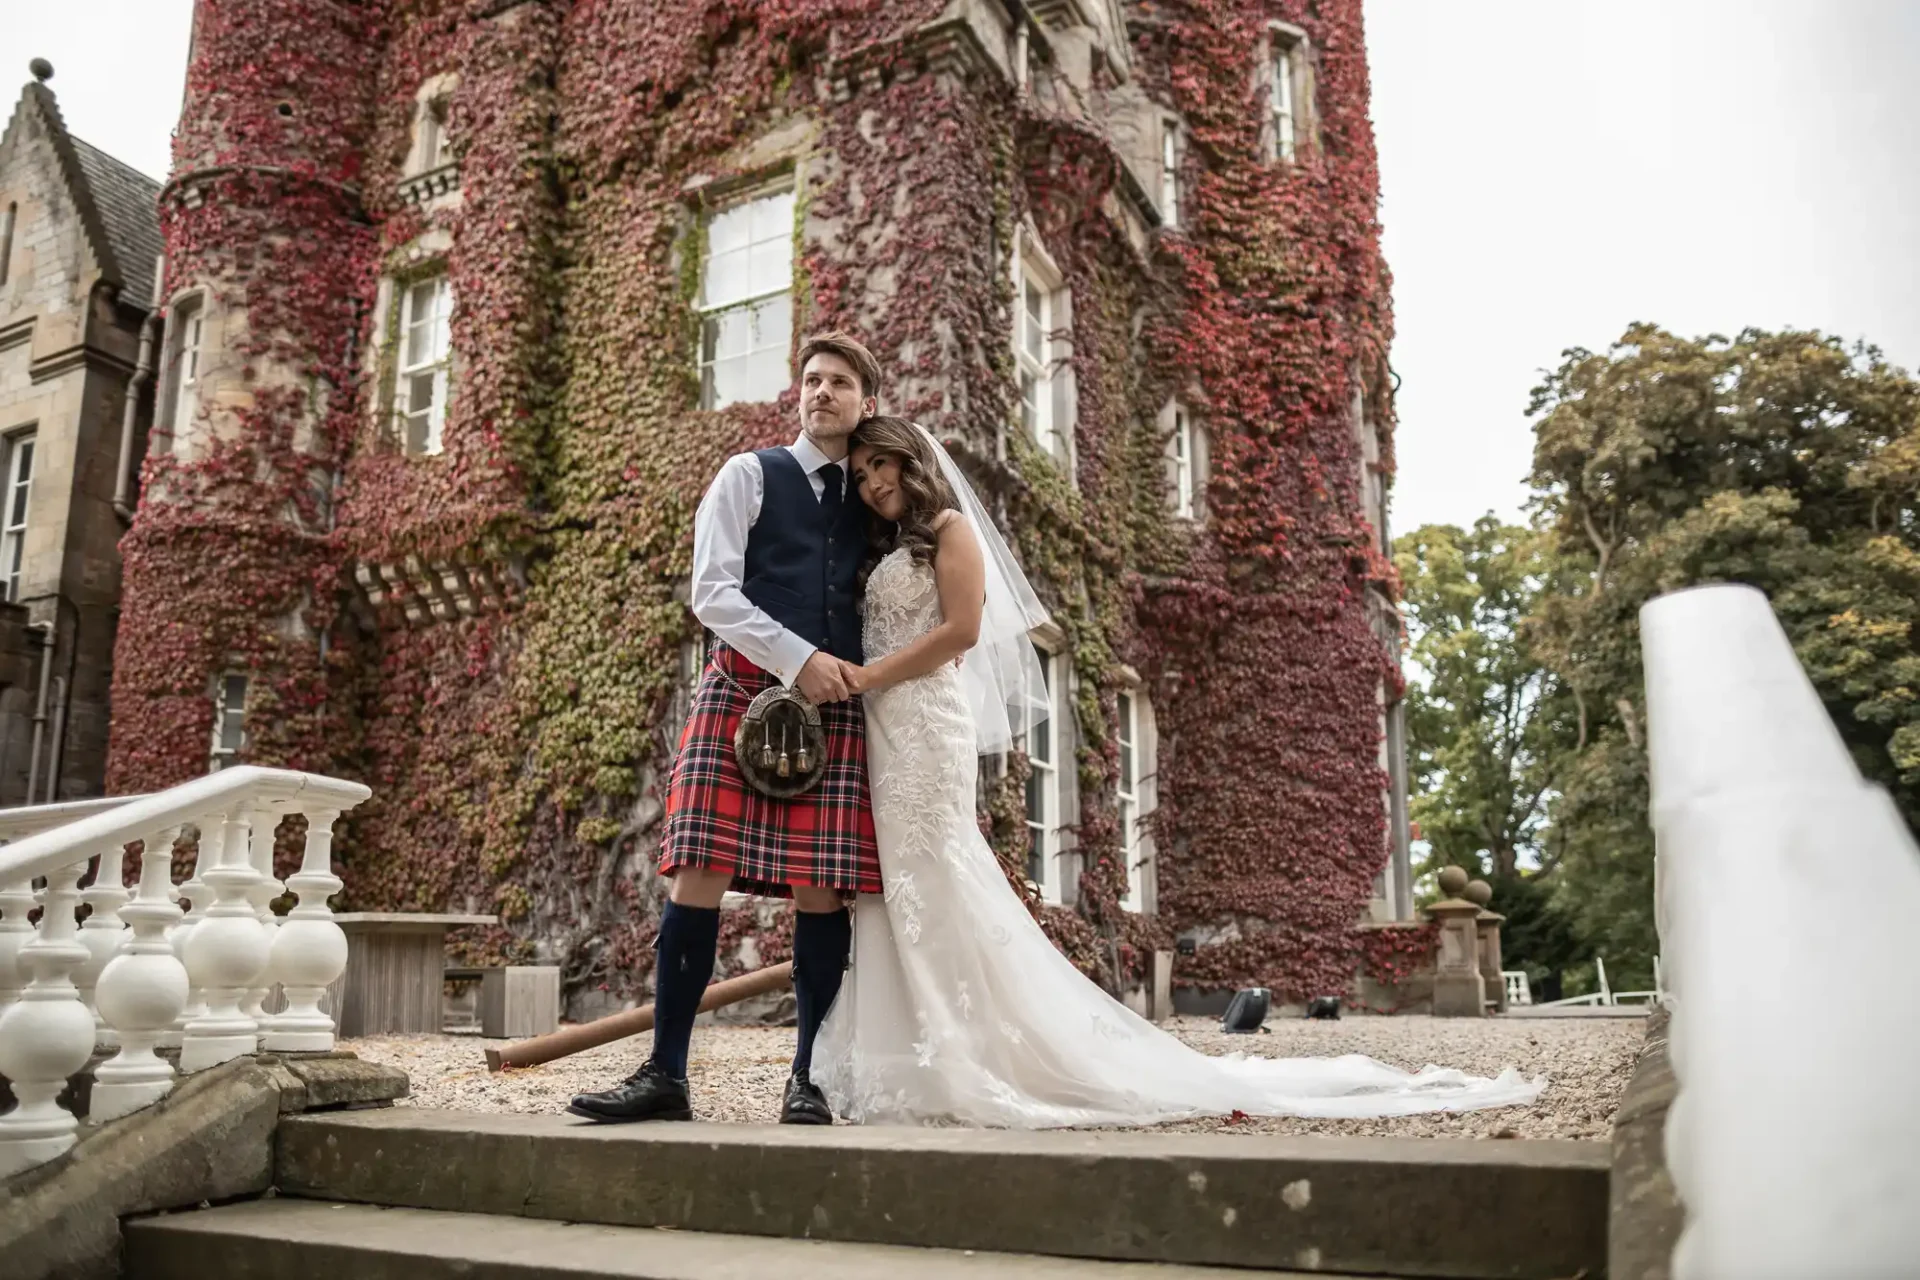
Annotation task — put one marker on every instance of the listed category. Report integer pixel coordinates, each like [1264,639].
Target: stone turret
[230,559]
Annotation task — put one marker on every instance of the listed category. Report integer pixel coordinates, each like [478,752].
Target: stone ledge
[1644,1216]
[1412,1207]
[335,1081]
[211,1139]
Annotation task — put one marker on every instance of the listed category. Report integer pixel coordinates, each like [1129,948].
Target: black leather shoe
[647,1094]
[804,1103]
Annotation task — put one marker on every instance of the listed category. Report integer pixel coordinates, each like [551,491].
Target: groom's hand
[821,679]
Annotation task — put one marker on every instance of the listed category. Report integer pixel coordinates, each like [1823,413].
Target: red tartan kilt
[717,822]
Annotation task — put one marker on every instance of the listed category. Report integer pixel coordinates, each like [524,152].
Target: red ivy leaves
[517,757]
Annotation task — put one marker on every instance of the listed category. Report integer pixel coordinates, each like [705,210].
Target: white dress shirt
[726,515]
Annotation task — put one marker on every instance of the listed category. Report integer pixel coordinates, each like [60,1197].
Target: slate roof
[128,201]
[117,204]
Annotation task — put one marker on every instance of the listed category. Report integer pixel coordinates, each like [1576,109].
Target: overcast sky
[1552,170]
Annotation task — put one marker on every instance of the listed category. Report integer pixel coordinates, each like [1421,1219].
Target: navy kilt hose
[717,822]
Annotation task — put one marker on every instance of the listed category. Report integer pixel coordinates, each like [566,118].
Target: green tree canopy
[1785,460]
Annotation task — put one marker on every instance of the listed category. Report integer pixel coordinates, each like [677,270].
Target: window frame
[1281,109]
[1127,792]
[184,350]
[220,756]
[440,365]
[1045,777]
[751,302]
[1052,428]
[1185,449]
[432,148]
[8,217]
[1035,366]
[1181,441]
[13,533]
[1286,73]
[186,390]
[1170,156]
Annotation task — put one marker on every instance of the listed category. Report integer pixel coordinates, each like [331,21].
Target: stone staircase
[422,1194]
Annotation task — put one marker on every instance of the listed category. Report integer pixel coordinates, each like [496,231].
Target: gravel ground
[737,1071]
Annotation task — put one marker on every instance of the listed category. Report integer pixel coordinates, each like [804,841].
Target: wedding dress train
[959,1010]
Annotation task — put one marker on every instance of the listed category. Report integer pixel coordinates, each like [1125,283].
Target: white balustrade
[155,973]
[198,895]
[46,1035]
[309,950]
[227,951]
[17,898]
[260,857]
[1784,878]
[103,934]
[141,991]
[16,901]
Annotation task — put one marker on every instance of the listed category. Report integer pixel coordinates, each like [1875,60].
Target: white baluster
[225,954]
[198,895]
[103,934]
[142,990]
[310,950]
[260,858]
[16,900]
[46,1035]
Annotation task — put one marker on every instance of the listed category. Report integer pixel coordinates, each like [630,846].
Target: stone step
[288,1239]
[1390,1206]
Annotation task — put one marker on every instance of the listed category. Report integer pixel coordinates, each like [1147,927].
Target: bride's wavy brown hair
[926,491]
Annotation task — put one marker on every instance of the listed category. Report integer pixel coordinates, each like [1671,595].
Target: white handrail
[138,976]
[30,820]
[124,822]
[1784,878]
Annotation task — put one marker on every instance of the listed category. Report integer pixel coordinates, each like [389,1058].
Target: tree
[1789,461]
[1487,724]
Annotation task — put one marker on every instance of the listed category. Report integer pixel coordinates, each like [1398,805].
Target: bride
[958,1009]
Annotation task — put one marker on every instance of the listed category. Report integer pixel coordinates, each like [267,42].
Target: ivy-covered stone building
[481,294]
[79,239]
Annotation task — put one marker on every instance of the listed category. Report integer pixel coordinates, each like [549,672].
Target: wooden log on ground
[631,1022]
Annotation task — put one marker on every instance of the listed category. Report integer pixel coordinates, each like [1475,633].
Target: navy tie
[830,496]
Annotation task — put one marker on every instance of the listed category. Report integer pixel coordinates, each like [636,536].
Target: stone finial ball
[1452,881]
[41,68]
[1479,893]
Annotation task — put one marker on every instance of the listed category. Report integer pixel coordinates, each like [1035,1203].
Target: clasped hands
[826,678]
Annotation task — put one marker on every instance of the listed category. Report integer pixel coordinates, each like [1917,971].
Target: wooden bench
[396,962]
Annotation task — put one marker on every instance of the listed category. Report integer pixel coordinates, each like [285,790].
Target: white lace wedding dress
[959,1010]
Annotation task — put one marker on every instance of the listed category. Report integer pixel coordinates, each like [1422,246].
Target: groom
[777,546]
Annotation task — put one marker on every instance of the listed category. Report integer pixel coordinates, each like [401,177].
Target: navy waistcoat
[802,565]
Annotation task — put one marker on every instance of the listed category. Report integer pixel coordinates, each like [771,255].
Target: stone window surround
[8,217]
[1190,505]
[13,537]
[220,754]
[1173,153]
[1295,43]
[422,182]
[1372,494]
[427,255]
[189,310]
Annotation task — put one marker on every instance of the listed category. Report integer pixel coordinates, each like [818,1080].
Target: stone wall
[68,346]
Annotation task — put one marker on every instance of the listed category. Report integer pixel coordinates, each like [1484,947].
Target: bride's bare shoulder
[944,519]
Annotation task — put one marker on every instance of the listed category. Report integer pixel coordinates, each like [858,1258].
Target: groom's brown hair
[849,348]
